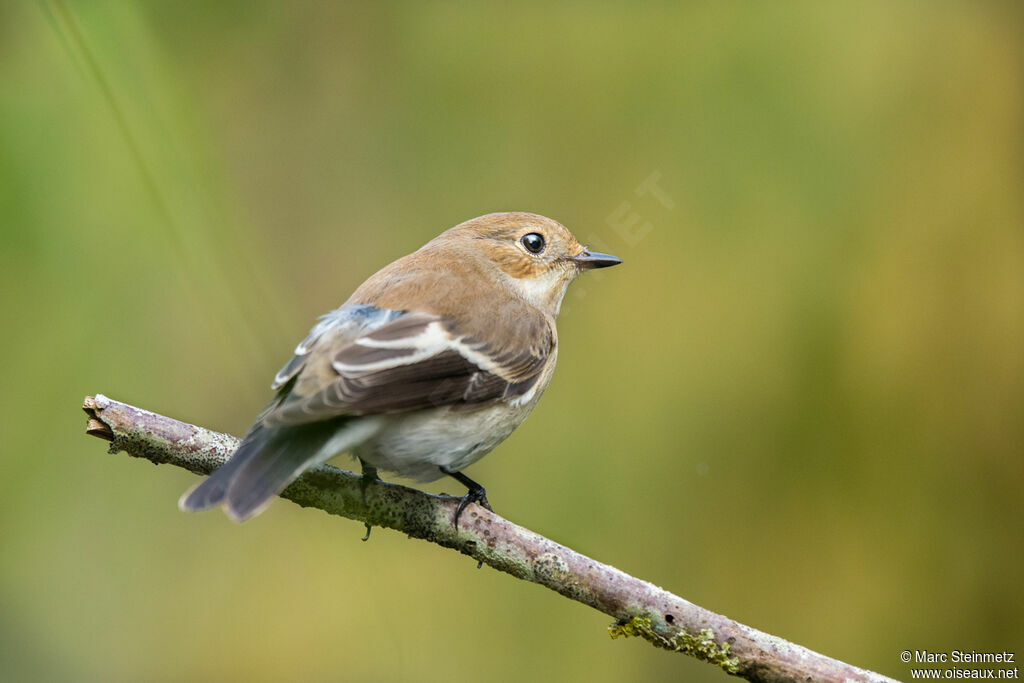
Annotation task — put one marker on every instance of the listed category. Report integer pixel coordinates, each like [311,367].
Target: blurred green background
[800,401]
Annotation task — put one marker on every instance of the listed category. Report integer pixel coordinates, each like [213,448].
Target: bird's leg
[476,493]
[369,476]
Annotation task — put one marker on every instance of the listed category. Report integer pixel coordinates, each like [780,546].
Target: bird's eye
[534,242]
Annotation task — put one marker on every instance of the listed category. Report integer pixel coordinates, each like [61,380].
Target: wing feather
[388,362]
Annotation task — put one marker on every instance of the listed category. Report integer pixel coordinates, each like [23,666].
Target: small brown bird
[428,366]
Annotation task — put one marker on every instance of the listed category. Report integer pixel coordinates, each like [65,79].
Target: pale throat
[544,291]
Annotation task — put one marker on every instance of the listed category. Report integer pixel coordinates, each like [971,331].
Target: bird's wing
[361,360]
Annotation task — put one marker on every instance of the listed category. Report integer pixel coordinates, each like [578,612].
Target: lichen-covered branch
[638,607]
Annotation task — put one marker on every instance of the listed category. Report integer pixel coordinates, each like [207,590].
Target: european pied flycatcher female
[427,367]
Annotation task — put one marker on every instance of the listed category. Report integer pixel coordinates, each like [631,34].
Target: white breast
[416,445]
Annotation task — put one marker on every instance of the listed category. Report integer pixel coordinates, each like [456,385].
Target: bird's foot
[475,494]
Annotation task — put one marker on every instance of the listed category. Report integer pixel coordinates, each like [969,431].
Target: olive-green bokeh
[800,401]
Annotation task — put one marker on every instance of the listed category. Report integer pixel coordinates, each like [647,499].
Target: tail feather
[267,460]
[277,463]
[210,492]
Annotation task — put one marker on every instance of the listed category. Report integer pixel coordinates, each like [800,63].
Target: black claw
[476,494]
[368,528]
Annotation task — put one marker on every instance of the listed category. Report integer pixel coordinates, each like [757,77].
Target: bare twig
[639,608]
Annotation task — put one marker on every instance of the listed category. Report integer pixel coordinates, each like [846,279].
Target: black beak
[586,260]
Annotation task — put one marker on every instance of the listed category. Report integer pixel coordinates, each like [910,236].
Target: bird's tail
[267,460]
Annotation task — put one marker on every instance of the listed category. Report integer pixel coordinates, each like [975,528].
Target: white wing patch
[431,341]
[360,360]
[354,320]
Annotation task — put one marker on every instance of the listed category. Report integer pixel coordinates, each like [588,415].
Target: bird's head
[536,256]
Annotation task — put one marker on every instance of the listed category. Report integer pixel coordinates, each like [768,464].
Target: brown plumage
[431,362]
